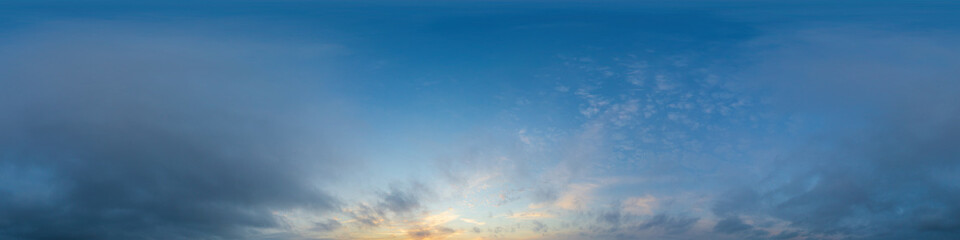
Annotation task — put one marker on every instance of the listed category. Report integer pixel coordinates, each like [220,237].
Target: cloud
[611,218]
[420,233]
[639,205]
[539,227]
[438,232]
[669,224]
[736,201]
[403,200]
[531,215]
[366,215]
[329,225]
[731,225]
[116,132]
[400,200]
[577,196]
[619,225]
[472,221]
[876,161]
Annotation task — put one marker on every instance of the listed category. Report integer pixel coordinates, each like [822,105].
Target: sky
[468,120]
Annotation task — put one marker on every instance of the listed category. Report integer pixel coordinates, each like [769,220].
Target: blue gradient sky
[479,120]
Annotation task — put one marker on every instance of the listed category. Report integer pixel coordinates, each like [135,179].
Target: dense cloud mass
[113,133]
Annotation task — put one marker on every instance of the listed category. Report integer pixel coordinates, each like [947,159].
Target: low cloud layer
[111,132]
[885,163]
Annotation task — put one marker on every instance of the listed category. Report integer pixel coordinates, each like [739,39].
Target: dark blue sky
[479,120]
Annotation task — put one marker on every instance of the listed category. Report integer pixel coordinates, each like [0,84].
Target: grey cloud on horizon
[884,165]
[669,224]
[327,226]
[403,200]
[112,132]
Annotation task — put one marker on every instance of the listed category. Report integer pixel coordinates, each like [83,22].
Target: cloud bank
[883,163]
[116,132]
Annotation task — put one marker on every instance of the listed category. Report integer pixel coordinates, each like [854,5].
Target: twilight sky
[478,119]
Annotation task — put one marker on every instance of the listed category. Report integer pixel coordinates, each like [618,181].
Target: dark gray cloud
[735,201]
[445,230]
[612,218]
[329,225]
[731,225]
[420,234]
[368,216]
[786,235]
[736,227]
[430,233]
[545,193]
[883,162]
[620,225]
[669,224]
[539,227]
[403,200]
[114,132]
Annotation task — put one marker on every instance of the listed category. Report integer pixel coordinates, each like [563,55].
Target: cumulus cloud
[115,132]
